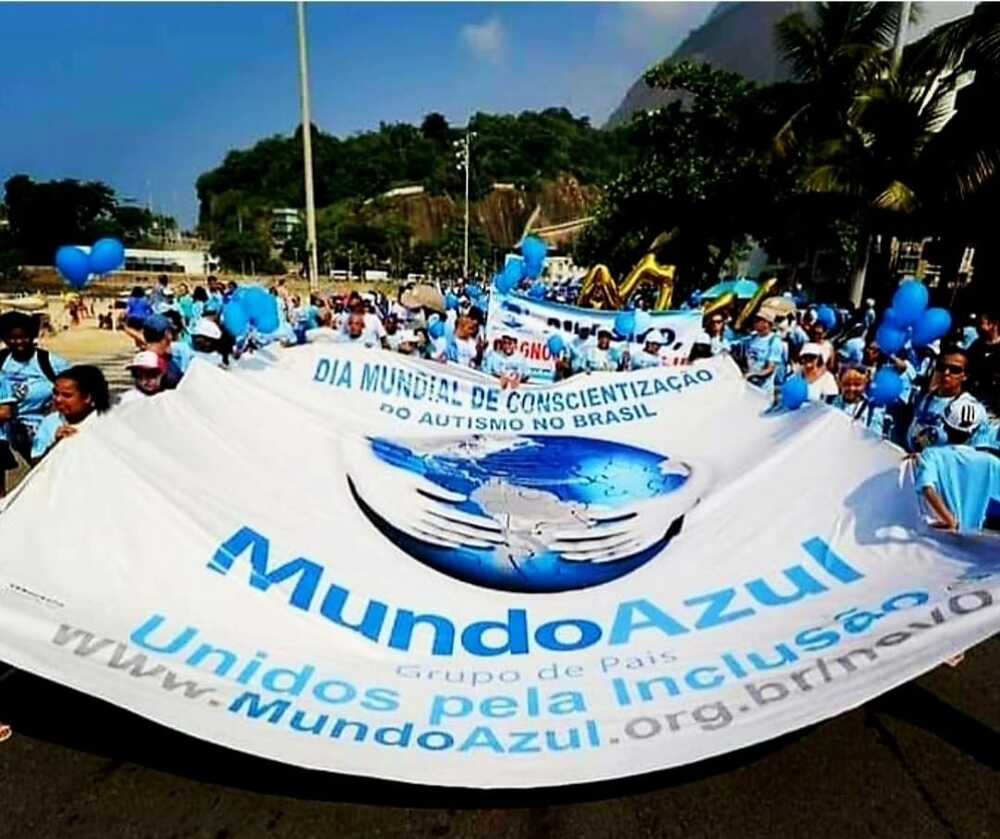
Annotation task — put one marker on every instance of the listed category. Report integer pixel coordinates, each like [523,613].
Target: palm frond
[896,197]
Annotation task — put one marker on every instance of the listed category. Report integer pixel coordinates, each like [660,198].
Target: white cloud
[485,40]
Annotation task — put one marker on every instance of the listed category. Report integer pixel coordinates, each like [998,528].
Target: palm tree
[875,133]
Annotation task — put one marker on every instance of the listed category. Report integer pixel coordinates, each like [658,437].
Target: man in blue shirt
[30,373]
[927,427]
[506,363]
[958,482]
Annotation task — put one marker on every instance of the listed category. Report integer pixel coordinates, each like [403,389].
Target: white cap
[654,336]
[207,329]
[812,348]
[145,360]
[407,336]
[964,413]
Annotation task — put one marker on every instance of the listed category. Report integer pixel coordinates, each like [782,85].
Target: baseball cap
[765,314]
[964,414]
[207,329]
[145,360]
[654,336]
[811,348]
[156,323]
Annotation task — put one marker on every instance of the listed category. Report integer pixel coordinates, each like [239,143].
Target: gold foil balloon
[649,270]
[599,290]
[751,306]
[720,302]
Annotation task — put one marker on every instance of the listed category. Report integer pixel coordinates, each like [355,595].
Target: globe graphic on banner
[525,513]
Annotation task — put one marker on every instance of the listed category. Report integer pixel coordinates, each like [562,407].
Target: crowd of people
[947,412]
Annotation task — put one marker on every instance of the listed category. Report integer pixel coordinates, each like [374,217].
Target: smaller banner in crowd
[533,322]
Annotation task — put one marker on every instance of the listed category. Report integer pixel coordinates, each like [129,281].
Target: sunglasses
[809,359]
[953,369]
[716,320]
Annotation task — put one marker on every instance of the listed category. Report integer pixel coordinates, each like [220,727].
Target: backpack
[44,362]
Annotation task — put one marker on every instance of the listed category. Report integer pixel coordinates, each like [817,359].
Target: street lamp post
[464,155]
[307,149]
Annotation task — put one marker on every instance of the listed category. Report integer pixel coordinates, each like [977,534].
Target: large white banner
[359,563]
[533,322]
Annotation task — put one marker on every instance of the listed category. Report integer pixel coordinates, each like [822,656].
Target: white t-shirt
[824,386]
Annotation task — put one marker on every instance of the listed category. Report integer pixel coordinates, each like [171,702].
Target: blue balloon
[533,250]
[508,279]
[451,300]
[262,307]
[933,324]
[436,329]
[828,317]
[889,316]
[643,321]
[235,318]
[106,255]
[794,392]
[556,344]
[890,339]
[909,301]
[74,265]
[625,324]
[886,387]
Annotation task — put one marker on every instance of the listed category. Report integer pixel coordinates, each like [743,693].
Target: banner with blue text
[533,322]
[356,562]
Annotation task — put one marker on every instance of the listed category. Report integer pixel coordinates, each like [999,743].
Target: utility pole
[307,150]
[901,28]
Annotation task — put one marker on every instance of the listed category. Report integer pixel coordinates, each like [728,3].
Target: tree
[44,215]
[875,134]
[703,177]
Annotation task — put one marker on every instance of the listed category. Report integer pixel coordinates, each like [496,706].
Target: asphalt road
[921,761]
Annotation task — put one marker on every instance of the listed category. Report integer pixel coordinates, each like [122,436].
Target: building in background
[284,222]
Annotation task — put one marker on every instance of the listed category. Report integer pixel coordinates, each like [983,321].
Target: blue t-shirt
[6,398]
[642,360]
[31,386]
[138,308]
[590,358]
[498,364]
[928,421]
[965,478]
[874,417]
[760,351]
[181,354]
[45,436]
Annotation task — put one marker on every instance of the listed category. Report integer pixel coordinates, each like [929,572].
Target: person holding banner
[465,348]
[852,400]
[764,353]
[31,373]
[959,483]
[602,357]
[649,355]
[820,382]
[506,364]
[356,331]
[147,378]
[79,392]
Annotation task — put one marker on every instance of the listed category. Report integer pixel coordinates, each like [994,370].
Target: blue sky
[148,96]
